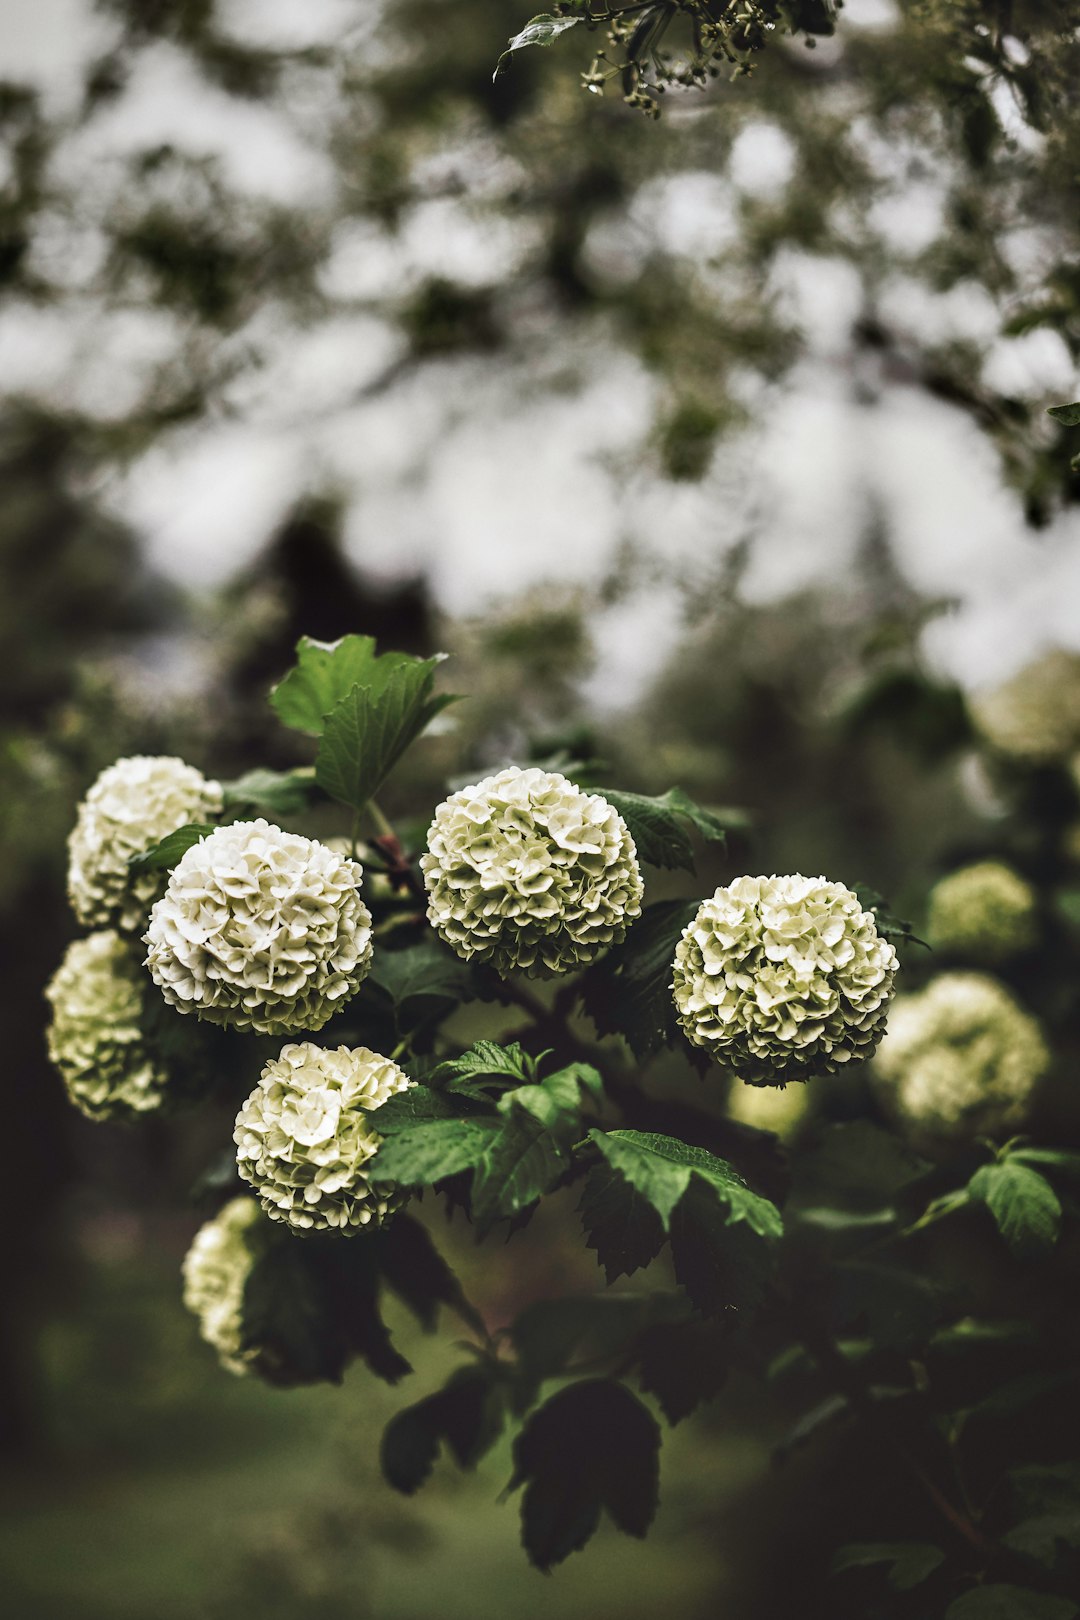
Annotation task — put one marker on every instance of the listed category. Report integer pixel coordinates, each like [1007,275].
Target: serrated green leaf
[1067,415]
[682,1364]
[486,1058]
[999,1602]
[557,1099]
[279,793]
[411,1265]
[722,1264]
[327,671]
[899,1309]
[418,1106]
[427,1153]
[163,856]
[628,993]
[422,984]
[541,30]
[466,1415]
[592,1446]
[365,734]
[910,1562]
[655,825]
[551,1334]
[660,1168]
[521,1161]
[1025,1207]
[620,1225]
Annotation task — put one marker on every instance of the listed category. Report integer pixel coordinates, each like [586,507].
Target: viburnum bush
[836,1261]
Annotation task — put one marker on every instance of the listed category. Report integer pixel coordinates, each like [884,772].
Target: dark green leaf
[1067,415]
[898,1309]
[856,1166]
[1049,1159]
[1048,1500]
[163,856]
[366,733]
[429,1152]
[620,1225]
[486,1058]
[889,926]
[541,30]
[466,1415]
[656,825]
[520,1162]
[279,793]
[556,1101]
[821,1416]
[412,1266]
[1024,1205]
[549,1335]
[629,992]
[660,1168]
[589,1447]
[910,1562]
[722,1264]
[996,1602]
[423,983]
[419,1106]
[682,1364]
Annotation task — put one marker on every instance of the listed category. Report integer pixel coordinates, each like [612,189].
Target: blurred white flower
[215,1272]
[96,1036]
[986,912]
[132,805]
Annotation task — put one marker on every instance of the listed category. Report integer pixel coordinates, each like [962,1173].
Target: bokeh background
[715,447]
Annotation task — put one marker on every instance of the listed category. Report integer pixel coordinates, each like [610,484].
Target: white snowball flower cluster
[525,870]
[1034,716]
[215,1271]
[782,978]
[260,929]
[986,912]
[961,1059]
[304,1140]
[132,805]
[96,1036]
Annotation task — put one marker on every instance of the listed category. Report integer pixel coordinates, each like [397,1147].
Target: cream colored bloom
[1036,715]
[961,1059]
[525,870]
[782,978]
[304,1139]
[985,912]
[96,1037]
[260,929]
[132,806]
[216,1269]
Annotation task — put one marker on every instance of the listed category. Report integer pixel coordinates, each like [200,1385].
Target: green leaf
[327,671]
[418,1106]
[620,1225]
[428,1153]
[1059,1159]
[660,1167]
[1048,1498]
[910,1562]
[557,1100]
[162,857]
[279,793]
[592,1446]
[898,1309]
[551,1333]
[422,984]
[722,1264]
[520,1163]
[682,1364]
[486,1058]
[412,1266]
[656,825]
[541,30]
[365,734]
[855,1166]
[888,925]
[995,1602]
[1067,415]
[1024,1205]
[629,992]
[466,1415]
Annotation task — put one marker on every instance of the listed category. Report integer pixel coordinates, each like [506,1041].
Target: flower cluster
[782,978]
[132,806]
[96,1036]
[961,1059]
[1035,716]
[215,1271]
[304,1140]
[260,929]
[985,912]
[525,870]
